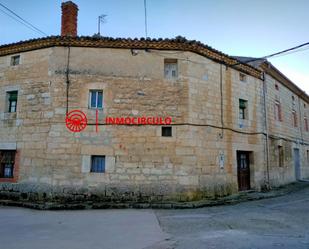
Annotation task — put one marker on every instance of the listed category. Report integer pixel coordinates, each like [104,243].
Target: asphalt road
[281,222]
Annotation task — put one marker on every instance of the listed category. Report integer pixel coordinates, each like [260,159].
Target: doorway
[243,170]
[296,164]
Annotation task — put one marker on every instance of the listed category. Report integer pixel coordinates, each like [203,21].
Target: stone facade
[200,158]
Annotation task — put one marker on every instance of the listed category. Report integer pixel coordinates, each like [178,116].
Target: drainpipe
[300,121]
[266,128]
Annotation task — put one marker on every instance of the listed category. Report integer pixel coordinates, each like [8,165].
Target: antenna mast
[145,8]
[101,19]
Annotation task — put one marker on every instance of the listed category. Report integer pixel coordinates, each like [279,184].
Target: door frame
[247,153]
[296,160]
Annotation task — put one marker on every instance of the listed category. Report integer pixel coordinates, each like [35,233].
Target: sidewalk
[231,199]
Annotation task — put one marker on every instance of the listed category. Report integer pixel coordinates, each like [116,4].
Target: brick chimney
[69,19]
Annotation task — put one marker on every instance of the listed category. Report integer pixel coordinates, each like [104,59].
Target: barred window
[7,161]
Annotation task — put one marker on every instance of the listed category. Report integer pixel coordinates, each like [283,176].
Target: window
[243,108]
[294,118]
[293,100]
[97,164]
[242,77]
[170,69]
[276,86]
[280,156]
[12,101]
[7,160]
[15,60]
[166,131]
[306,124]
[278,115]
[96,99]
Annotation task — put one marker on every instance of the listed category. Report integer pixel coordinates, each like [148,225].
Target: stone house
[235,125]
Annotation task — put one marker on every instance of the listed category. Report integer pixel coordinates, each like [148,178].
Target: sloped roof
[255,62]
[270,69]
[178,43]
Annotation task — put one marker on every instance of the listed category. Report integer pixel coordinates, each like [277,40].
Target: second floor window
[15,60]
[96,99]
[306,124]
[242,77]
[278,115]
[170,69]
[294,118]
[12,101]
[243,109]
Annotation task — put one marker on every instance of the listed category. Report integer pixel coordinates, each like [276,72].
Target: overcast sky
[237,27]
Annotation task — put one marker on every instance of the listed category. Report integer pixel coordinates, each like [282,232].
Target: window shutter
[13,96]
[242,104]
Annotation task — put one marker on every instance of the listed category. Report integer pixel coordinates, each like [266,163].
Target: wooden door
[243,170]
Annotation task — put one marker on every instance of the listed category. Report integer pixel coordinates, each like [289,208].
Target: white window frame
[91,91]
[170,67]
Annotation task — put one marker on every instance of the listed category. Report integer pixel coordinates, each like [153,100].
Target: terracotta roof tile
[178,43]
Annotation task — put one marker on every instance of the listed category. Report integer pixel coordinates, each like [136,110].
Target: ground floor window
[97,164]
[7,161]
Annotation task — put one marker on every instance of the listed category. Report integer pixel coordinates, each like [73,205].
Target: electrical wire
[274,54]
[17,20]
[23,20]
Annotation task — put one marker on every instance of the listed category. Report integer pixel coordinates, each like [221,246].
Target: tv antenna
[101,19]
[145,12]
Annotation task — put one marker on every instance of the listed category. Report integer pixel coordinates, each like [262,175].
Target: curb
[228,200]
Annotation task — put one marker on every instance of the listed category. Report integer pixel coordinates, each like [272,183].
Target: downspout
[267,133]
[221,102]
[300,121]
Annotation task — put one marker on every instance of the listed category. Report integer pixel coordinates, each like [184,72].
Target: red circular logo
[76,121]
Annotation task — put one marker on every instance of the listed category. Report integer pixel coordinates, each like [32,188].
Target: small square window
[96,99]
[15,60]
[12,101]
[170,69]
[97,164]
[243,104]
[166,131]
[7,161]
[242,77]
[276,86]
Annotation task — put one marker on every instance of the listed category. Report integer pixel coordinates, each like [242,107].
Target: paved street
[281,222]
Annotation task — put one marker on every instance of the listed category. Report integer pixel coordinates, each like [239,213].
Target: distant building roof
[266,66]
